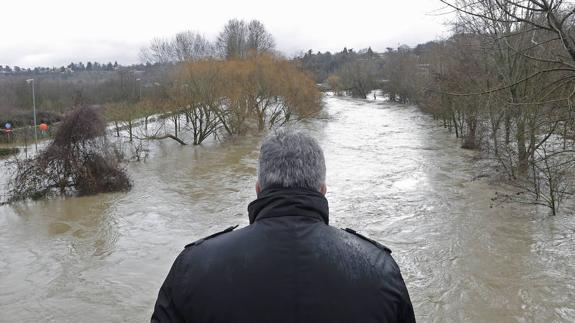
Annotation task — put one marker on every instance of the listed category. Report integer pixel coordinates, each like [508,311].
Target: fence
[25,135]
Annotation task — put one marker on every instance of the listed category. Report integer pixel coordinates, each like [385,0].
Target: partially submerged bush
[79,160]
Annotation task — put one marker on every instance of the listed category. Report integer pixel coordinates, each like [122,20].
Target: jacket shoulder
[375,243]
[200,241]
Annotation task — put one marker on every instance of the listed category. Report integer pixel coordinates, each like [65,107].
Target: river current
[393,175]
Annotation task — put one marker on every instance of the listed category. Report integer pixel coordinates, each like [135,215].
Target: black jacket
[288,265]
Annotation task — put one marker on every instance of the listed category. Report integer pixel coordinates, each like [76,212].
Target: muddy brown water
[393,175]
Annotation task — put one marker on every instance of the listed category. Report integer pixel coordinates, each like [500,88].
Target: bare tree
[517,74]
[358,77]
[198,90]
[186,45]
[160,51]
[400,71]
[232,41]
[239,38]
[189,45]
[259,40]
[545,21]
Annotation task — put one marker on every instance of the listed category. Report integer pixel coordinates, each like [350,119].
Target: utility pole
[31,81]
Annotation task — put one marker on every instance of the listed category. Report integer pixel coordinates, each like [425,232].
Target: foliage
[322,65]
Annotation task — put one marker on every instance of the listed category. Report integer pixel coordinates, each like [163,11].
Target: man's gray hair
[291,159]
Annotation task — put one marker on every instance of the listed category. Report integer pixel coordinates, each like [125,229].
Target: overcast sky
[57,32]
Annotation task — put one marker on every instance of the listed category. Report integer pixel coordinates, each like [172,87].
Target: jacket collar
[280,201]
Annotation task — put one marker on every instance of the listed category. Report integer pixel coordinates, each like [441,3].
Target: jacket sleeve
[405,312]
[165,310]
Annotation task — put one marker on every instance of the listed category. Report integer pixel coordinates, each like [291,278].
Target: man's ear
[258,188]
[323,189]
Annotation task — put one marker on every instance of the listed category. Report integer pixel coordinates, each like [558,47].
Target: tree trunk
[470,138]
[507,128]
[130,129]
[522,156]
[455,124]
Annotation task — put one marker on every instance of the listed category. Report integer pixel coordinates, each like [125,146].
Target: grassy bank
[8,151]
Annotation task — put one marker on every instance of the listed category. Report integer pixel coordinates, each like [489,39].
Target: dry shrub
[79,160]
[80,126]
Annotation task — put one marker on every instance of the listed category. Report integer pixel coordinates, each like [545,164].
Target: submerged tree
[358,77]
[80,160]
[233,96]
[504,82]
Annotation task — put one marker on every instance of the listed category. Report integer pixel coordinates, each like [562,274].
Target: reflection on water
[392,174]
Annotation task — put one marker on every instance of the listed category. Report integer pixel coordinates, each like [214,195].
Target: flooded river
[393,175]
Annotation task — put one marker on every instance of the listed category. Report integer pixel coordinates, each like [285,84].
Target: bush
[79,160]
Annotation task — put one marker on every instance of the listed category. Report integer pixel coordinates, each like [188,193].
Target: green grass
[8,151]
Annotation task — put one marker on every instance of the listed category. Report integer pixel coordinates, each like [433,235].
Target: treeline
[57,89]
[346,72]
[322,65]
[503,83]
[57,93]
[70,68]
[238,39]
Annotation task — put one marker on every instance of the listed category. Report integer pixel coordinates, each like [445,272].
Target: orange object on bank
[43,127]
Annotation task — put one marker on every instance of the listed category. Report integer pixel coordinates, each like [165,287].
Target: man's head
[291,159]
